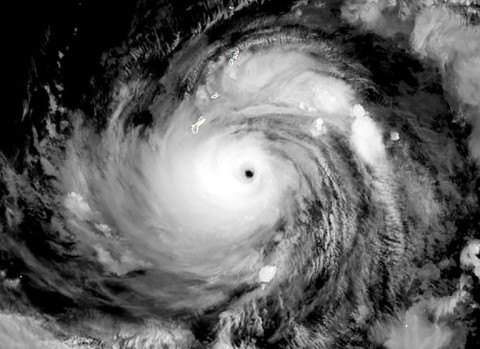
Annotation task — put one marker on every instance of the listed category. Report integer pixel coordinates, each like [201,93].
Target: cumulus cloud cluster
[438,33]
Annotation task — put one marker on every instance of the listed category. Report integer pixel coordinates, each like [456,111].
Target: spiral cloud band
[212,197]
[278,181]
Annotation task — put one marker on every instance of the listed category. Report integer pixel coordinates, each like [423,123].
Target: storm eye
[249,173]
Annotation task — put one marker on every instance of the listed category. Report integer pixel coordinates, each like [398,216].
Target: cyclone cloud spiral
[263,184]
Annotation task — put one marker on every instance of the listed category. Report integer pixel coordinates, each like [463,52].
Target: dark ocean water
[238,175]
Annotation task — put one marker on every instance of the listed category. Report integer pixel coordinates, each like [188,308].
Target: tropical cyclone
[285,191]
[338,215]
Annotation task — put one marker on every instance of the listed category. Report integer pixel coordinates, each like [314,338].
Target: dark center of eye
[249,173]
